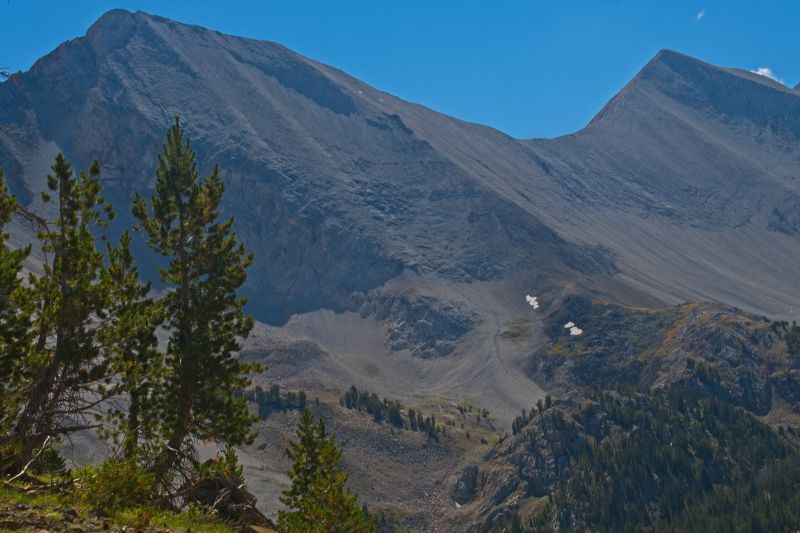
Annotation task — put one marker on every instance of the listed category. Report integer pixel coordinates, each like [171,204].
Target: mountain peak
[665,54]
[291,132]
[671,78]
[111,30]
[110,20]
[667,64]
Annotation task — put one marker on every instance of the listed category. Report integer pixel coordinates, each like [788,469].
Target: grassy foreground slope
[62,511]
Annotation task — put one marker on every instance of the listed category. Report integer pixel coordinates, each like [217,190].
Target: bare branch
[35,456]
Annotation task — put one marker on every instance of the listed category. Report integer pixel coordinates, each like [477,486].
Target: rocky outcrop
[519,468]
[785,218]
[706,347]
[225,493]
[424,325]
[463,490]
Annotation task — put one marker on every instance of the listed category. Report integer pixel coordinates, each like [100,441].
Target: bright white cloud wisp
[767,73]
[700,15]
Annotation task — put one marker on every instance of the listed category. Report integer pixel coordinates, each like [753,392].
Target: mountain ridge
[392,224]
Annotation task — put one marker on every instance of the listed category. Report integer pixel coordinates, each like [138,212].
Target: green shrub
[115,484]
[225,464]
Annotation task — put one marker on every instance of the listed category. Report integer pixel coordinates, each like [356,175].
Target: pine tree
[207,265]
[15,317]
[68,374]
[318,499]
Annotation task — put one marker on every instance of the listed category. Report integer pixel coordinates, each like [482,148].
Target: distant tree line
[521,420]
[270,400]
[384,410]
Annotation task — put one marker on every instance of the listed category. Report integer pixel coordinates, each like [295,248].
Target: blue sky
[528,68]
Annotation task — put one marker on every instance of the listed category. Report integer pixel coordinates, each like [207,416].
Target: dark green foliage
[412,420]
[78,347]
[115,484]
[67,370]
[521,420]
[49,463]
[318,499]
[384,410]
[706,373]
[634,459]
[793,341]
[15,317]
[425,425]
[271,400]
[768,501]
[130,336]
[380,409]
[78,350]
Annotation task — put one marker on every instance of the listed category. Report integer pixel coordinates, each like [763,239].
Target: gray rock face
[785,218]
[426,326]
[463,491]
[683,187]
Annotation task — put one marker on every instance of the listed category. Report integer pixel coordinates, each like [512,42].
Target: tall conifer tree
[207,265]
